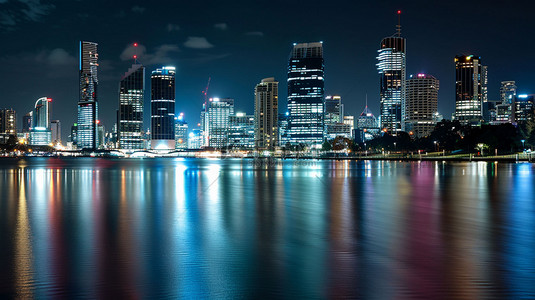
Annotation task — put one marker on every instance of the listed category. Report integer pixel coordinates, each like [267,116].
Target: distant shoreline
[506,158]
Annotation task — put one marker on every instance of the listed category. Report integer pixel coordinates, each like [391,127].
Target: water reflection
[318,229]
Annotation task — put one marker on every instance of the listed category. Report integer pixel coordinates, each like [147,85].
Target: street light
[523,141]
[435,145]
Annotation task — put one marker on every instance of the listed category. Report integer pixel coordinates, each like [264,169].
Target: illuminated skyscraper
[55,128]
[27,122]
[88,102]
[470,89]
[305,95]
[242,131]
[391,64]
[7,124]
[421,104]
[130,114]
[163,108]
[267,114]
[523,106]
[40,133]
[507,91]
[334,110]
[181,132]
[217,121]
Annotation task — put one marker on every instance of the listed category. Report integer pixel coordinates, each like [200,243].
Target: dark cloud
[221,26]
[15,12]
[197,42]
[138,9]
[173,27]
[254,33]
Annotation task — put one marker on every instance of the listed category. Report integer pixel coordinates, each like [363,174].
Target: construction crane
[205,91]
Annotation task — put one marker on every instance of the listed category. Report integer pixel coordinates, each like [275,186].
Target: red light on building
[49,99]
[135,44]
[399,12]
[135,56]
[98,121]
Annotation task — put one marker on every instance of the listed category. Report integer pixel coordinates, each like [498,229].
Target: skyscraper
[40,133]
[266,114]
[507,91]
[181,132]
[242,131]
[523,106]
[27,122]
[334,110]
[470,81]
[421,104]
[217,121]
[88,102]
[130,114]
[7,124]
[305,95]
[391,64]
[163,108]
[55,128]
[367,125]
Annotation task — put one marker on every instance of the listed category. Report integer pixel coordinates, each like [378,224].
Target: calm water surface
[188,228]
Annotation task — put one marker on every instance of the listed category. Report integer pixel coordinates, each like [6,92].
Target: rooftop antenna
[135,56]
[398,27]
[366,100]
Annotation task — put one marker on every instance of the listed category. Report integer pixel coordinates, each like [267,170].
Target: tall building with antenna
[88,101]
[130,114]
[391,65]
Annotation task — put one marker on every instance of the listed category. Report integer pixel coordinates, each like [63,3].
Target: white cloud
[59,56]
[255,33]
[221,26]
[172,27]
[196,42]
[138,9]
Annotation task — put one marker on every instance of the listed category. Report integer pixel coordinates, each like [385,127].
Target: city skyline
[349,76]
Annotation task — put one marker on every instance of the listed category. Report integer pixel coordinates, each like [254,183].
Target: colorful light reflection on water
[187,228]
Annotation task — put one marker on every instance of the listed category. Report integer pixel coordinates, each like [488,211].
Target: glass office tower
[470,89]
[305,95]
[163,108]
[392,65]
[88,102]
[130,114]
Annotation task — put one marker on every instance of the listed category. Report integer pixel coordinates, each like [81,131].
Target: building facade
[88,102]
[470,89]
[55,129]
[163,109]
[242,133]
[181,133]
[266,114]
[217,121]
[130,113]
[523,108]
[305,95]
[367,125]
[8,125]
[334,110]
[392,65]
[421,104]
[40,133]
[507,91]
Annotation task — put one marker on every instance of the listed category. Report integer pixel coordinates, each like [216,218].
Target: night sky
[237,43]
